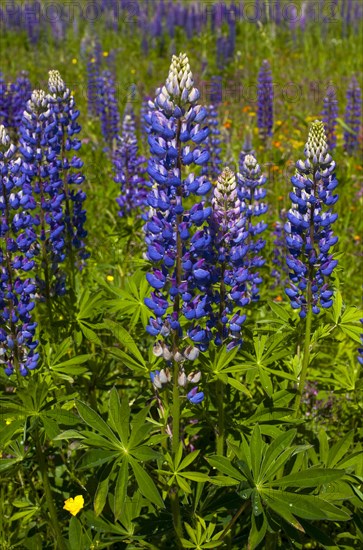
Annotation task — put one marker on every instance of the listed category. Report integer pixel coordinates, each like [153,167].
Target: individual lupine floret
[309,236]
[39,147]
[213,144]
[63,107]
[265,98]
[353,116]
[229,232]
[252,194]
[178,278]
[108,107]
[17,329]
[329,115]
[130,168]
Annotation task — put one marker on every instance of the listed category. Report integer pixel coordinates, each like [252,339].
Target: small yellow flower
[74,505]
[74,61]
[8,421]
[110,278]
[133,71]
[93,60]
[105,54]
[252,113]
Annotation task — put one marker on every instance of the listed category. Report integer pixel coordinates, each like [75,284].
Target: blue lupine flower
[252,195]
[129,167]
[174,124]
[265,97]
[195,397]
[108,107]
[229,233]
[309,236]
[353,116]
[17,329]
[20,92]
[329,115]
[213,145]
[63,107]
[39,146]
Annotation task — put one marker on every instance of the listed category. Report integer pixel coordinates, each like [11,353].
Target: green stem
[306,356]
[175,508]
[43,467]
[233,520]
[175,410]
[220,390]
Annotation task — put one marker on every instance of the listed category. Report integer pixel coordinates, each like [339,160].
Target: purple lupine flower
[353,116]
[130,168]
[93,74]
[215,92]
[329,115]
[176,135]
[19,93]
[108,106]
[39,147]
[63,106]
[17,329]
[309,236]
[265,98]
[229,233]
[213,145]
[252,195]
[360,350]
[5,101]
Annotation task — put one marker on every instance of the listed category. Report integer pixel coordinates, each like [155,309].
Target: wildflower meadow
[181,275]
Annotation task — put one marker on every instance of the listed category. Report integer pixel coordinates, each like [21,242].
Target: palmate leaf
[305,506]
[146,485]
[311,477]
[129,302]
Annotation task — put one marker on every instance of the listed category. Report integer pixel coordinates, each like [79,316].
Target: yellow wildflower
[110,278]
[74,61]
[105,54]
[74,505]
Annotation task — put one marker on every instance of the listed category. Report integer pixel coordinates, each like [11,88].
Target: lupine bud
[182,379]
[308,230]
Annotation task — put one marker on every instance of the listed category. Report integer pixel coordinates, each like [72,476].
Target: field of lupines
[181,198]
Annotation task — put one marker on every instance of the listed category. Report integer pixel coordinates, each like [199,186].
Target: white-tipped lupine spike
[179,86]
[55,83]
[38,100]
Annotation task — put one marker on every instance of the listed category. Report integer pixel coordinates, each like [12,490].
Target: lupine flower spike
[309,236]
[17,330]
[178,277]
[130,168]
[265,97]
[353,116]
[330,114]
